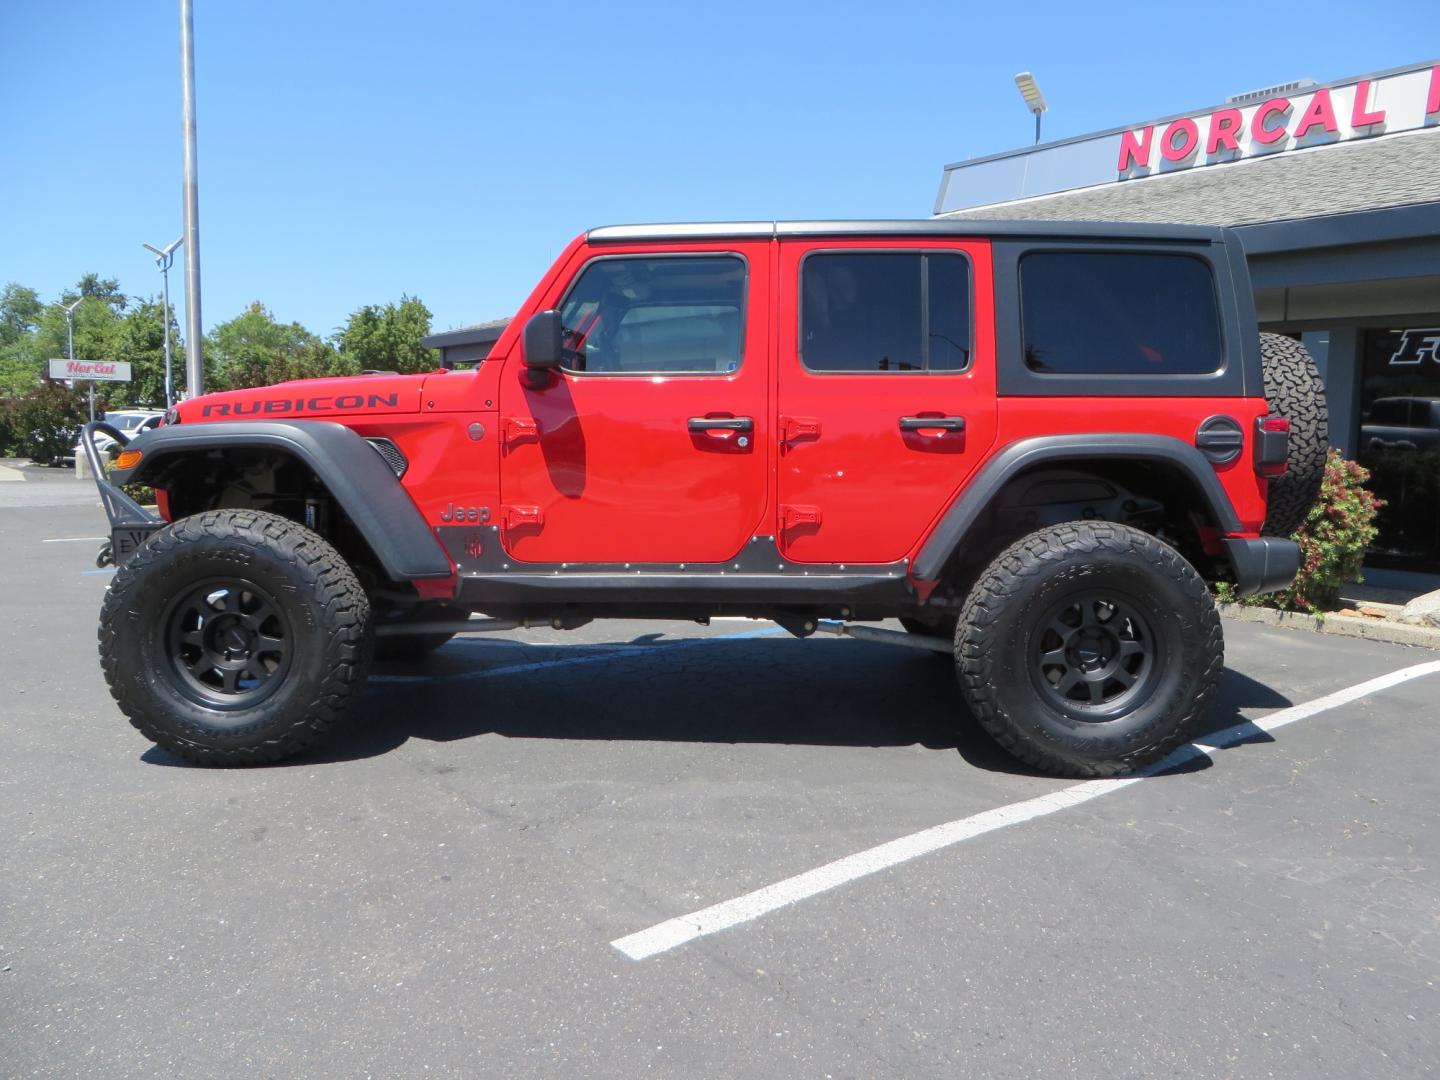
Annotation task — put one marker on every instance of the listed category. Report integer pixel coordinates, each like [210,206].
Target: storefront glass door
[1400,444]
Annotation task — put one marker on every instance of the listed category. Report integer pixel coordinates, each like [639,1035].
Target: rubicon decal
[287,406]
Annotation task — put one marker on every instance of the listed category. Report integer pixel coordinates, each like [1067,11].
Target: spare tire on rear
[1294,390]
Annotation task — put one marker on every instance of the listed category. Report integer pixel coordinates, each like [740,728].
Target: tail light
[1272,446]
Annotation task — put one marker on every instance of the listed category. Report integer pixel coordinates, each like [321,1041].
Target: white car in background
[131,421]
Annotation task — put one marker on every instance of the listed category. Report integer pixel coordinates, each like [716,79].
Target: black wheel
[930,625]
[1089,649]
[415,646]
[1295,391]
[235,637]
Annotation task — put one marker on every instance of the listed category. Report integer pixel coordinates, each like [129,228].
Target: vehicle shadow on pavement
[1235,694]
[720,691]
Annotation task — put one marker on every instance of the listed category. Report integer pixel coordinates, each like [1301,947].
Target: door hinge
[793,516]
[516,428]
[799,427]
[513,517]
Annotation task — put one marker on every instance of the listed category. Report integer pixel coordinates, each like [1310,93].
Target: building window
[869,312]
[1119,313]
[1400,444]
[669,315]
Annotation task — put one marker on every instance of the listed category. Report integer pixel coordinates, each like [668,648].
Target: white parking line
[73,539]
[675,932]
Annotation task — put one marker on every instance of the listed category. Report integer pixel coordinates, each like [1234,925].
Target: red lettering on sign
[1319,113]
[1360,115]
[1266,135]
[1432,103]
[1224,126]
[1189,139]
[1135,149]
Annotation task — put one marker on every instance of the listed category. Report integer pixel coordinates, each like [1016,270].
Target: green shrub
[45,423]
[7,431]
[1333,540]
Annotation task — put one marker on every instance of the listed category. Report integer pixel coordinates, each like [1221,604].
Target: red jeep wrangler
[1033,444]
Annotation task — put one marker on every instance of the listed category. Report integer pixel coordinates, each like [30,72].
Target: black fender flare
[977,495]
[359,479]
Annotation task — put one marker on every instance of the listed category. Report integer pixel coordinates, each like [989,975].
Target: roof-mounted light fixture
[1034,100]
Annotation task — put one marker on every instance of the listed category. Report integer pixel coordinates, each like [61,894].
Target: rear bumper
[1263,565]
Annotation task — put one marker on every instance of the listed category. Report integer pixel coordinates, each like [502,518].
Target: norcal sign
[92,370]
[1277,123]
[1297,116]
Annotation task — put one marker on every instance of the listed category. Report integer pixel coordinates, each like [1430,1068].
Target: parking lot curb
[1353,626]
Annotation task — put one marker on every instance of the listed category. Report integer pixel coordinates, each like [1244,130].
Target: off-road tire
[1295,391]
[402,647]
[317,610]
[1005,628]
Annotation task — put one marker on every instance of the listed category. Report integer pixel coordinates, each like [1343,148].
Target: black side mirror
[543,343]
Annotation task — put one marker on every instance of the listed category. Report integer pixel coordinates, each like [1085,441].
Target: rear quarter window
[1119,313]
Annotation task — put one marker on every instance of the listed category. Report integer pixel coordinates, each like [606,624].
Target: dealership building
[1335,190]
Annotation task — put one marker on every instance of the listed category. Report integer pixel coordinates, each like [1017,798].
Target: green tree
[32,332]
[96,320]
[253,349]
[139,339]
[106,290]
[387,338]
[20,310]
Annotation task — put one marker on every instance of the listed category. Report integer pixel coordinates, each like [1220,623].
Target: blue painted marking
[104,570]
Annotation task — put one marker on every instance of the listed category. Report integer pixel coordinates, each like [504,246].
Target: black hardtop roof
[920,227]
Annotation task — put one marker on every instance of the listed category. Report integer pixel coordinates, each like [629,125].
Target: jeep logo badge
[480,514]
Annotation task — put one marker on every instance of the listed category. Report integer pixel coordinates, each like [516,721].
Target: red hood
[320,399]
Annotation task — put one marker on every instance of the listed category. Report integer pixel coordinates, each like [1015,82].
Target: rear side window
[866,312]
[1119,313]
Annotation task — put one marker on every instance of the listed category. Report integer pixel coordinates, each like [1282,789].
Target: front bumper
[130,523]
[1263,565]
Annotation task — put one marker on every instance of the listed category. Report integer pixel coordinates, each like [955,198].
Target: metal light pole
[70,344]
[1034,100]
[163,258]
[194,364]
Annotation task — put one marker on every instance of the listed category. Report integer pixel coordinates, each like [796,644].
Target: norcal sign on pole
[91,370]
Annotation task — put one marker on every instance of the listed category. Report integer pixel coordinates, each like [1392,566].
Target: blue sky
[349,153]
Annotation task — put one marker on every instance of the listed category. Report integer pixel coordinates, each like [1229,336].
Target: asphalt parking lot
[439,890]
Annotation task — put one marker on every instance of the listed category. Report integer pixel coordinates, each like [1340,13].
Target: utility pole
[194,362]
[70,344]
[163,258]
